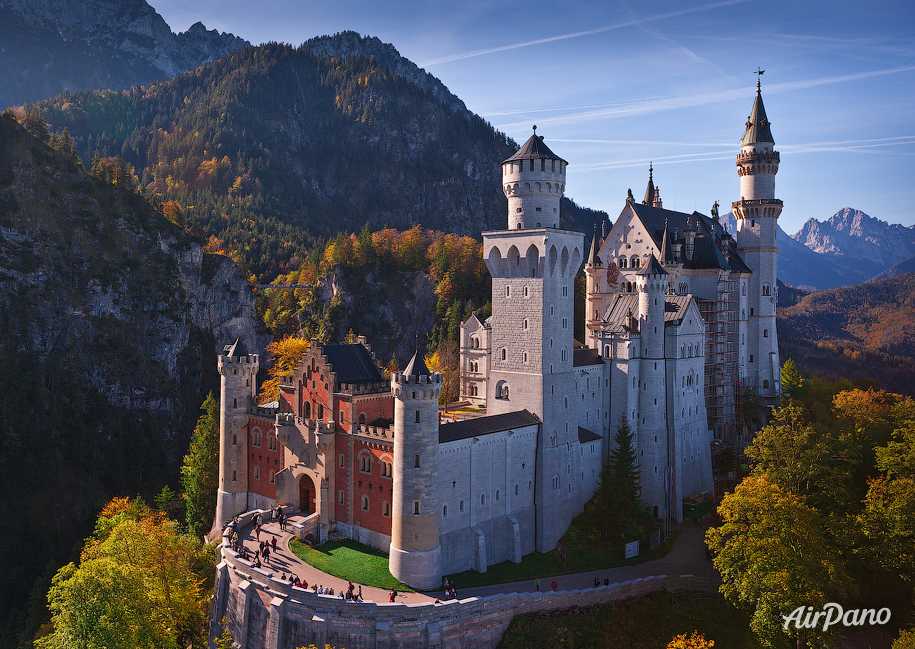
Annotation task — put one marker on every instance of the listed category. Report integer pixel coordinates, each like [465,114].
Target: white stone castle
[680,323]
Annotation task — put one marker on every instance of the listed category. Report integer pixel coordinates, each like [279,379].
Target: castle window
[556,481]
[551,311]
[445,511]
[233,476]
[743,288]
[524,324]
[416,461]
[542,165]
[461,506]
[342,417]
[751,358]
[417,416]
[565,291]
[271,443]
[257,439]
[234,403]
[765,333]
[341,460]
[766,385]
[606,351]
[524,357]
[340,497]
[365,503]
[622,262]
[503,353]
[508,291]
[634,261]
[565,323]
[765,289]
[497,494]
[362,418]
[566,402]
[321,411]
[235,439]
[482,499]
[365,464]
[271,477]
[416,508]
[516,490]
[307,410]
[524,290]
[751,311]
[530,485]
[257,473]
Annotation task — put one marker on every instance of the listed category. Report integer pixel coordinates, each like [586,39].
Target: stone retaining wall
[267,613]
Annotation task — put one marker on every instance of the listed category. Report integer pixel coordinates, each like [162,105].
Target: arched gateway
[307,495]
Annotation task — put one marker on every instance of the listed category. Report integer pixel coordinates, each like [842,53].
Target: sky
[614,86]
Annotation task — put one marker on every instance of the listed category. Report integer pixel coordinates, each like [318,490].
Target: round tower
[238,372]
[415,555]
[757,214]
[651,281]
[533,180]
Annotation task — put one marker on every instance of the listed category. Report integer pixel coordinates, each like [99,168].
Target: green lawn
[350,560]
[579,558]
[649,623]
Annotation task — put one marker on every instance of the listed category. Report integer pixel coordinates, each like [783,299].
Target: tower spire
[593,258]
[650,190]
[758,125]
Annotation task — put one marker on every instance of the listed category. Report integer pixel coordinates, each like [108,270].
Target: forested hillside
[865,330]
[273,149]
[110,317]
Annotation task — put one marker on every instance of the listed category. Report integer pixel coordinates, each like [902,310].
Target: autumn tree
[694,641]
[792,381]
[774,556]
[446,360]
[200,472]
[286,354]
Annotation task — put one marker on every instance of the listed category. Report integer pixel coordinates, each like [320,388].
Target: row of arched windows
[256,474]
[365,465]
[385,506]
[257,440]
[633,262]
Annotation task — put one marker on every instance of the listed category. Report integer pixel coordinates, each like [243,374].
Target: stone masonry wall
[267,613]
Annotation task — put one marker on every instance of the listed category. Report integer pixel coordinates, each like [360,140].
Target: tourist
[257,532]
[273,541]
[320,590]
[606,581]
[392,596]
[554,585]
[266,554]
[537,584]
[596,581]
[359,596]
[282,521]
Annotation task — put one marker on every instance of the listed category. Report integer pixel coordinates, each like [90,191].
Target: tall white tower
[415,553]
[757,214]
[238,384]
[653,439]
[533,266]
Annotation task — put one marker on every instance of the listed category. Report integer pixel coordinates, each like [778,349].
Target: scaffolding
[721,349]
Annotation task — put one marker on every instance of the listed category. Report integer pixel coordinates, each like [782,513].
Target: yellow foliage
[286,353]
[695,641]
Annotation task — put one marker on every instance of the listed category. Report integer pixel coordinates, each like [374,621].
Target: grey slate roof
[585,436]
[758,125]
[458,430]
[653,267]
[616,313]
[416,366]
[584,356]
[352,364]
[534,149]
[706,253]
[235,349]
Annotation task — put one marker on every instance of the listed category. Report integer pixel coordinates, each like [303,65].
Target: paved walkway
[686,558]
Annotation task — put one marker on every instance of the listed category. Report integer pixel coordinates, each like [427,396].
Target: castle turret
[652,440]
[533,180]
[757,214]
[415,554]
[652,193]
[594,272]
[238,372]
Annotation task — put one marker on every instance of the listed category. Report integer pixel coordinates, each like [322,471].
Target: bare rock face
[54,46]
[852,233]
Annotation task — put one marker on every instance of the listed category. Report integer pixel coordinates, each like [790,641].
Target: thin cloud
[562,37]
[655,105]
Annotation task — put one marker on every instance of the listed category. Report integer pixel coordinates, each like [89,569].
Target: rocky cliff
[54,46]
[852,233]
[110,317]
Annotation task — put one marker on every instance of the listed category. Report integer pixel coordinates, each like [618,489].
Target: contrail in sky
[628,23]
[654,105]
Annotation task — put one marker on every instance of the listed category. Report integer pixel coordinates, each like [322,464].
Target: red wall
[262,456]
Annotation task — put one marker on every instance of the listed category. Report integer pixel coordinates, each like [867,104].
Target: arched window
[501,390]
[461,506]
[365,503]
[765,333]
[482,499]
[307,410]
[386,509]
[634,261]
[257,473]
[257,439]
[362,418]
[556,481]
[271,443]
[445,511]
[524,324]
[606,351]
[743,288]
[623,262]
[765,289]
[503,354]
[271,478]
[321,411]
[766,384]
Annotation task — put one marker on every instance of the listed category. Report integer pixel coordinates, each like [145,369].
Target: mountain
[851,233]
[866,330]
[274,148]
[903,267]
[54,46]
[821,266]
[111,319]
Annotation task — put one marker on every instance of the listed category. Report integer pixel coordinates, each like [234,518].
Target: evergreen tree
[36,124]
[792,382]
[620,516]
[200,473]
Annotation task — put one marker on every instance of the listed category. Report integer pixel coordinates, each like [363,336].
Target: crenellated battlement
[424,381]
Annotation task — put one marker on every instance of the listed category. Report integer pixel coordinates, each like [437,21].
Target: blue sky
[614,85]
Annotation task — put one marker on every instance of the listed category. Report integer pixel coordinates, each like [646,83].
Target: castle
[680,322]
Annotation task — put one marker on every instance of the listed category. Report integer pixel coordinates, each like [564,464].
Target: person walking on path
[266,554]
[273,542]
[537,584]
[392,596]
[554,586]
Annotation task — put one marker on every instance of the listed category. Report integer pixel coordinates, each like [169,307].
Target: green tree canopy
[200,472]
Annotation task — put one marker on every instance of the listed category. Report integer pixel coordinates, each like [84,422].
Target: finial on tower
[650,170]
[535,129]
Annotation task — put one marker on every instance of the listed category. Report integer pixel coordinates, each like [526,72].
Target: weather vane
[759,72]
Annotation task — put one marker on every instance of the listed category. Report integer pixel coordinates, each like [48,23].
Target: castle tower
[757,214]
[415,554]
[238,372]
[594,273]
[533,180]
[652,193]
[533,266]
[651,424]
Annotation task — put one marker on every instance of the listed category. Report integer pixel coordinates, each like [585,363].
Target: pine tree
[200,473]
[619,514]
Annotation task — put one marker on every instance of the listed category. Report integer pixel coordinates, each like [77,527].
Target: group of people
[450,591]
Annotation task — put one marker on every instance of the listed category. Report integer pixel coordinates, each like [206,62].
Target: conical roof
[758,126]
[416,366]
[667,255]
[534,149]
[652,267]
[235,349]
[650,190]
